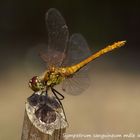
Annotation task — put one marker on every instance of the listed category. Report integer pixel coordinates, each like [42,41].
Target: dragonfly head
[36,84]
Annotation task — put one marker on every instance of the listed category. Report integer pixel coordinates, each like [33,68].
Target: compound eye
[34,80]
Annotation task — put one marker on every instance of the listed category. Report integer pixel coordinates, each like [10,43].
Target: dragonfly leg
[62,97]
[55,92]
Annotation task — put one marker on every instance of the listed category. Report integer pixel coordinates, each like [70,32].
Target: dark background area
[22,24]
[111,104]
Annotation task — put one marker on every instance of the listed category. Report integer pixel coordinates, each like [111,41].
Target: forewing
[57,38]
[32,62]
[78,50]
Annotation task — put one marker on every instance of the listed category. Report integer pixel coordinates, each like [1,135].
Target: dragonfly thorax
[53,77]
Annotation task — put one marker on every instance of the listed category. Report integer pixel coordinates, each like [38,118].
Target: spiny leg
[55,92]
[62,97]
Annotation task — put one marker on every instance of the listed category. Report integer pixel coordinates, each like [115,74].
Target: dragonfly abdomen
[73,69]
[109,48]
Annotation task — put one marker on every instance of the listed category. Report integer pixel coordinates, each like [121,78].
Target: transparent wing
[57,38]
[32,62]
[78,83]
[78,50]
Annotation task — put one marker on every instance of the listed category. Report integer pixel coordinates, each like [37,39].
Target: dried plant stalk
[34,129]
[30,132]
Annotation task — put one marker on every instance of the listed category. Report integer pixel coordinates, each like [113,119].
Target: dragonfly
[67,59]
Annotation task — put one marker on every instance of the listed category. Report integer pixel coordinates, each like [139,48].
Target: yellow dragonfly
[63,51]
[66,58]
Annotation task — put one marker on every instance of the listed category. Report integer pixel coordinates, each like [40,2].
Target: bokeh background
[111,104]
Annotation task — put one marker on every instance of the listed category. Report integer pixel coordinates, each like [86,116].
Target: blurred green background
[111,104]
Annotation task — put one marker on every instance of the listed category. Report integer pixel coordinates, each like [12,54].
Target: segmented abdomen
[109,48]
